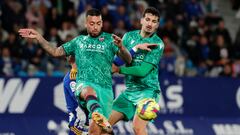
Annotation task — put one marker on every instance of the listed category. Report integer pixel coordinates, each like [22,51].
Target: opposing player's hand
[73,74]
[75,126]
[115,69]
[117,41]
[146,46]
[29,33]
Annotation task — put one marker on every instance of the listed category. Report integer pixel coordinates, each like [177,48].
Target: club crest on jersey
[101,39]
[72,85]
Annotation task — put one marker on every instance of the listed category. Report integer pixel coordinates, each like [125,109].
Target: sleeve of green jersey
[125,41]
[69,47]
[140,71]
[155,55]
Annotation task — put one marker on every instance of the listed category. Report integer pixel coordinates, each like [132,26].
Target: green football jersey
[94,57]
[150,82]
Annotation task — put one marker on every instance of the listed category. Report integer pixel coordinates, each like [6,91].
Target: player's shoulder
[66,78]
[132,33]
[105,36]
[80,37]
[158,40]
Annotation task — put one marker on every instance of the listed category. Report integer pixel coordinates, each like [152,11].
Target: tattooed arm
[53,51]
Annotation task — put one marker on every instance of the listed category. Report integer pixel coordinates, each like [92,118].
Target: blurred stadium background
[199,72]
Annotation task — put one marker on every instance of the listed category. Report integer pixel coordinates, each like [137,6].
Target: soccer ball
[147,109]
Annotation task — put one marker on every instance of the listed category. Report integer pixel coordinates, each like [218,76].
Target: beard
[94,34]
[148,33]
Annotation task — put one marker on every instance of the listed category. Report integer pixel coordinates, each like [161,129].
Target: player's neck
[145,34]
[95,36]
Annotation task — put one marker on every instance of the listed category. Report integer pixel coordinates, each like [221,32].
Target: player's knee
[88,91]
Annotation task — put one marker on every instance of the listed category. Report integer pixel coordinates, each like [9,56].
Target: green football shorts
[104,95]
[127,101]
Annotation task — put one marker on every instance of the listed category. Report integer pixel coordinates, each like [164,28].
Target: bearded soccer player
[94,54]
[142,74]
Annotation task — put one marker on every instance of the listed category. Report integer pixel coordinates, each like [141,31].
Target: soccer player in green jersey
[94,54]
[142,74]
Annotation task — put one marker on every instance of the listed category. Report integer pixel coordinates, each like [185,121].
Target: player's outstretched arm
[145,46]
[123,52]
[140,71]
[33,34]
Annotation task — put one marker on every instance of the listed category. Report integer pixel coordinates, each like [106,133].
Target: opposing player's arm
[33,34]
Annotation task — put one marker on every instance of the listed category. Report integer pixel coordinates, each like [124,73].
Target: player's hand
[75,126]
[115,69]
[29,33]
[117,41]
[73,74]
[146,46]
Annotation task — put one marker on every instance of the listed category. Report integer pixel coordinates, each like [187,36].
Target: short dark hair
[93,12]
[152,11]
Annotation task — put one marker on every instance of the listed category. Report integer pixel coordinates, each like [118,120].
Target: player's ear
[86,22]
[141,21]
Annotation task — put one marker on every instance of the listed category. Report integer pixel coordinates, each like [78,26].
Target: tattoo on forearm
[125,55]
[53,51]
